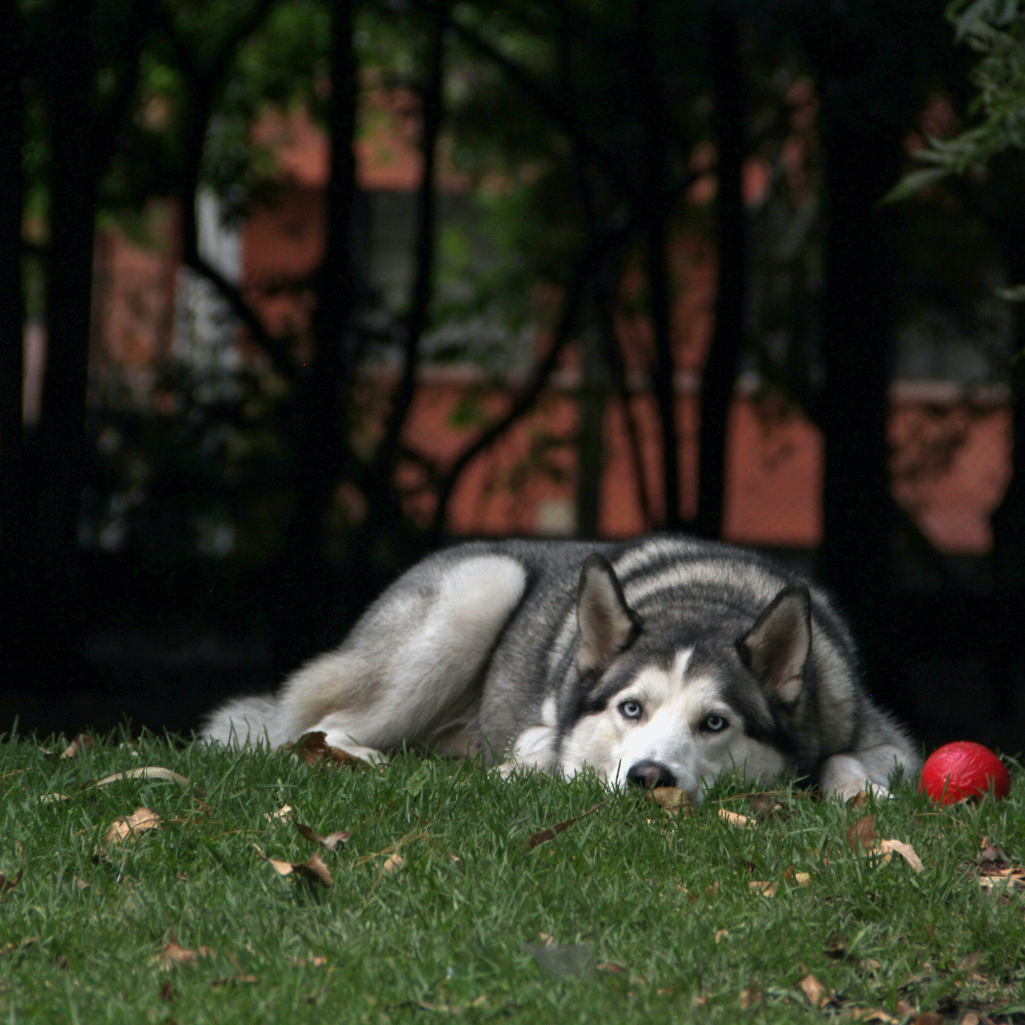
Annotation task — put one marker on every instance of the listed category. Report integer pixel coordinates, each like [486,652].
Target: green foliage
[669,900]
[996,30]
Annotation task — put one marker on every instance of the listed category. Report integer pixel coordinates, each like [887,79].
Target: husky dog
[657,662]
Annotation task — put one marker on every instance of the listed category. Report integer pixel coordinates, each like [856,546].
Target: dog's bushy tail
[253,720]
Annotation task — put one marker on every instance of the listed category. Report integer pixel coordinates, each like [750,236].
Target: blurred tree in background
[591,137]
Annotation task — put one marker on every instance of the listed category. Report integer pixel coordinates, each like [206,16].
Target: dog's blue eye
[631,709]
[715,723]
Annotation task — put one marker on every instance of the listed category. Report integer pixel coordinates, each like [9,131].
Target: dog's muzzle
[650,775]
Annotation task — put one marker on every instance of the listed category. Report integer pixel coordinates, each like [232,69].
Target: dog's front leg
[869,769]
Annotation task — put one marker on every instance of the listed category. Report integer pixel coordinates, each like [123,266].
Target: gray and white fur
[662,661]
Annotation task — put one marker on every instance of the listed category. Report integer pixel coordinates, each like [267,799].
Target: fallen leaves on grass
[281,815]
[862,833]
[1010,878]
[392,864]
[798,878]
[174,954]
[611,967]
[314,961]
[766,889]
[128,827]
[313,747]
[6,885]
[721,934]
[863,836]
[887,847]
[314,868]
[813,990]
[750,996]
[764,806]
[451,1008]
[544,835]
[671,799]
[331,841]
[734,818]
[871,1016]
[83,742]
[142,772]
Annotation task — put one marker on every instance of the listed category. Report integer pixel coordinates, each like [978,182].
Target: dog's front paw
[846,776]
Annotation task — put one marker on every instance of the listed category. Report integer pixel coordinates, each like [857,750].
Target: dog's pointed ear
[777,647]
[607,624]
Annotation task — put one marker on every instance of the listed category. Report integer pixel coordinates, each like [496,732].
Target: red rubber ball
[961,770]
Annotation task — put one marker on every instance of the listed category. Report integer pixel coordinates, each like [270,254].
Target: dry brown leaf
[885,847]
[173,953]
[1011,878]
[763,806]
[281,815]
[142,772]
[927,1018]
[313,747]
[611,967]
[721,934]
[970,1018]
[734,818]
[813,990]
[81,884]
[130,826]
[862,833]
[314,868]
[671,799]
[799,878]
[547,938]
[9,884]
[81,743]
[331,841]
[859,800]
[766,889]
[544,835]
[750,996]
[392,864]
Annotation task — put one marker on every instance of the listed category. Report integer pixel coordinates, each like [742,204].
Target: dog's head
[674,700]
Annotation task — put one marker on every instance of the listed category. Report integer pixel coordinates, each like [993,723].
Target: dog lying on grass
[657,662]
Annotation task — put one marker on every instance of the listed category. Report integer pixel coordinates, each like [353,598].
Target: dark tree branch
[205,86]
[271,346]
[423,285]
[522,403]
[549,103]
[595,251]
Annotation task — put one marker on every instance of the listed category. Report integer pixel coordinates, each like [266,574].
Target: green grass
[667,898]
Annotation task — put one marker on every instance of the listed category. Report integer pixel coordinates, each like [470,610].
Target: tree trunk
[857,327]
[720,372]
[11,304]
[59,448]
[320,430]
[655,199]
[591,401]
[1009,517]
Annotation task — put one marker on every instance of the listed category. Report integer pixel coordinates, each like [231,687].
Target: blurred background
[294,291]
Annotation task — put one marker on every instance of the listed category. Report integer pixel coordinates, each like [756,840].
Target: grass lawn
[654,915]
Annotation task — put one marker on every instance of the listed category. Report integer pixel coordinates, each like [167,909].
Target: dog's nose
[650,774]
